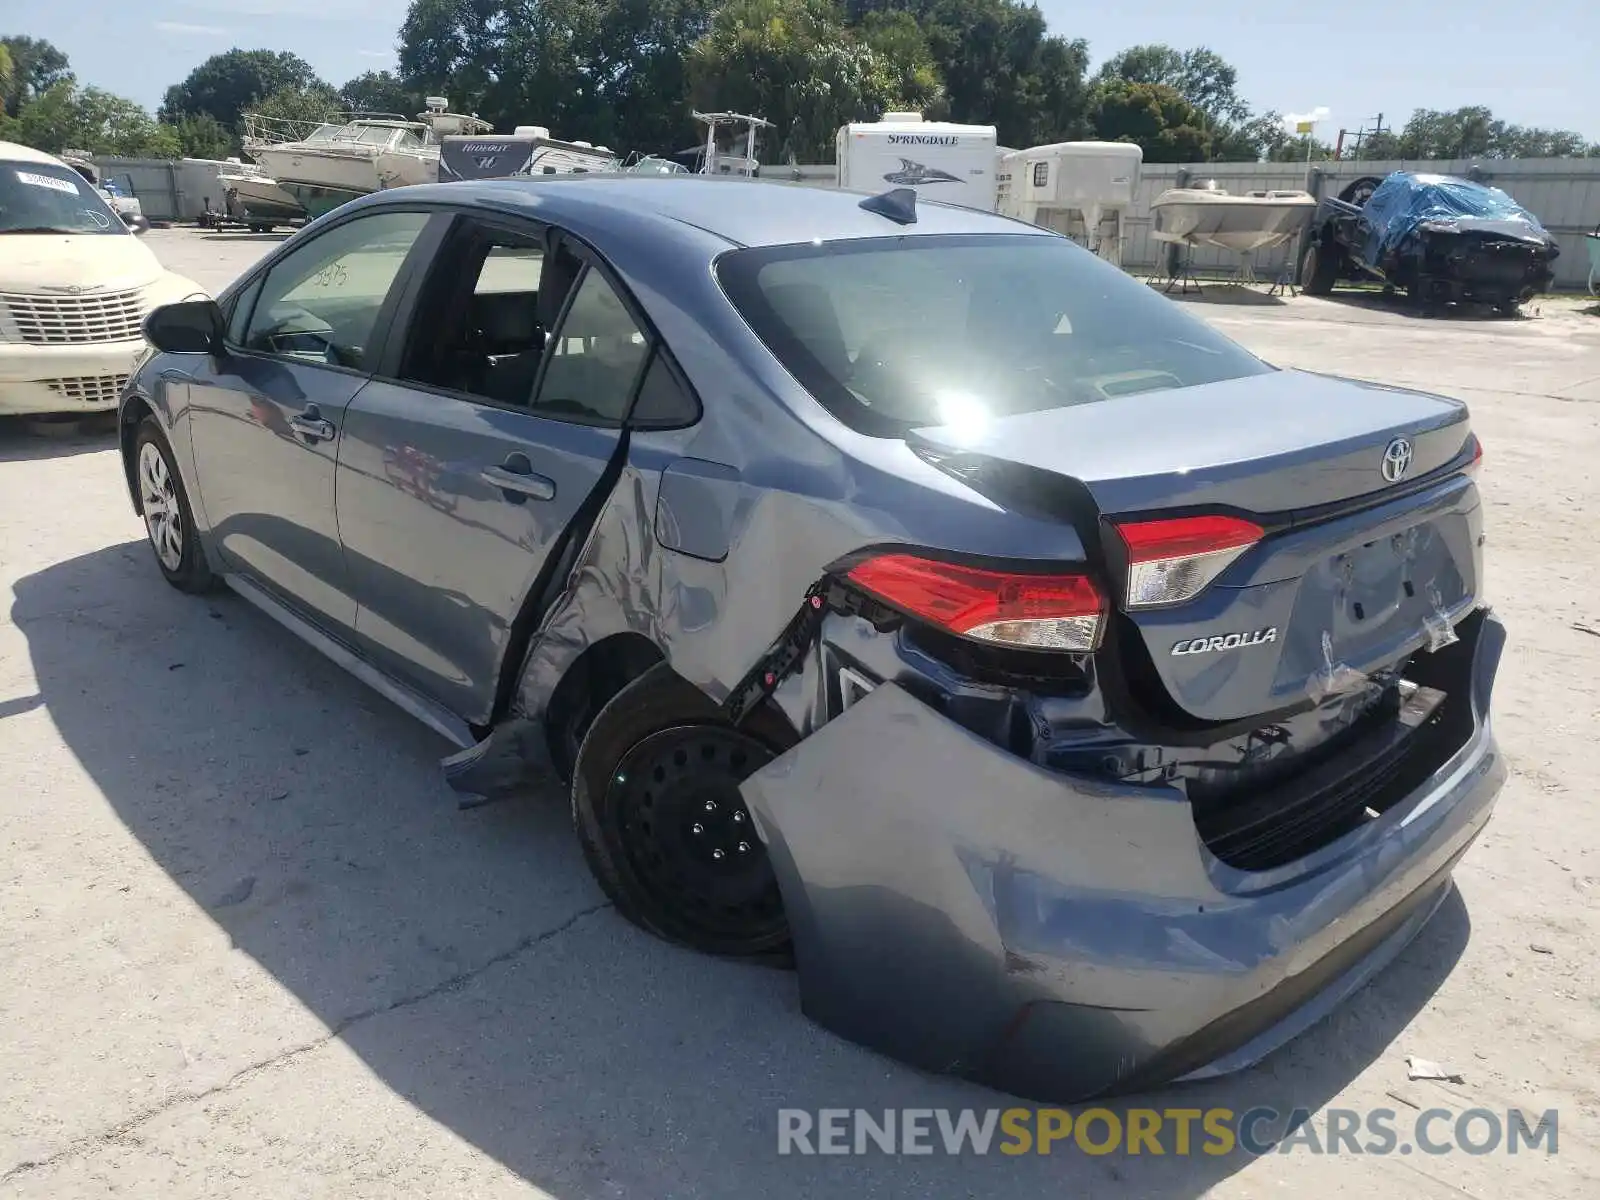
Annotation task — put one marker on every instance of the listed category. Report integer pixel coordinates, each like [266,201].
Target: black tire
[1359,191]
[655,798]
[1319,269]
[176,548]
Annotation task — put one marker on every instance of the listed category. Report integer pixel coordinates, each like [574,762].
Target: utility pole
[1363,133]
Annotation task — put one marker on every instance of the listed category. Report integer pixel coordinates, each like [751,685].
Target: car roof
[743,212]
[19,153]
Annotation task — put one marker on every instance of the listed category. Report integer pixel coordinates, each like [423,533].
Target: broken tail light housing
[1174,560]
[1030,611]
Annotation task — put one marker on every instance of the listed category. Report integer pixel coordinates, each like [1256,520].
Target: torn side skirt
[514,757]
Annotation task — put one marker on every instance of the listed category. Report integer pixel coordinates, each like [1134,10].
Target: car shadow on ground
[224,236]
[1401,305]
[30,438]
[1215,291]
[468,959]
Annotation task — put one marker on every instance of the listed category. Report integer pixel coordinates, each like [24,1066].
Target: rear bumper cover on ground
[958,908]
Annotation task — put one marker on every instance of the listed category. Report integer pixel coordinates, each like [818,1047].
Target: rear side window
[594,358]
[895,333]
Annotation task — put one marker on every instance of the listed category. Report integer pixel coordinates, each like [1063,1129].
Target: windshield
[49,198]
[895,333]
[367,135]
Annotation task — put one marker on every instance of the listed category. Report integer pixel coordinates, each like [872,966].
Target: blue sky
[1356,58]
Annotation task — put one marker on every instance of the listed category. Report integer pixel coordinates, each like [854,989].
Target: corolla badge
[1225,641]
[911,174]
[1396,460]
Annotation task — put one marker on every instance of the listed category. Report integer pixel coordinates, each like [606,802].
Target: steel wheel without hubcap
[163,518]
[687,835]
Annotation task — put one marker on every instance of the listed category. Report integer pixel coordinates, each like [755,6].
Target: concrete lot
[252,948]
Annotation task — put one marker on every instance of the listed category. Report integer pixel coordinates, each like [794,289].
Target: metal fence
[167,189]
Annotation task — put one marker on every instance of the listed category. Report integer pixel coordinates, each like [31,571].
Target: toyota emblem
[1396,460]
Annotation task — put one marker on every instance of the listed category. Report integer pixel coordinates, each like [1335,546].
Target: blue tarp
[1403,201]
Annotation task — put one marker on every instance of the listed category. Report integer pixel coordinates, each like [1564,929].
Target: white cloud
[184,29]
[1320,113]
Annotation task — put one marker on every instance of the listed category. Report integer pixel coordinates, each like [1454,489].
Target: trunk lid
[1348,579]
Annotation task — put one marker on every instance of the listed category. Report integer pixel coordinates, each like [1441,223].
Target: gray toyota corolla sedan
[1082,702]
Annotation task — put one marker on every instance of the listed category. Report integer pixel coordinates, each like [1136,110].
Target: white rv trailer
[529,150]
[1082,189]
[939,160]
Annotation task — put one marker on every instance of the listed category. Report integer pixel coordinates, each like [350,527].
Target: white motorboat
[336,161]
[1210,216]
[254,197]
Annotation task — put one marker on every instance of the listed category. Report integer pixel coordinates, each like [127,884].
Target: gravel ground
[253,949]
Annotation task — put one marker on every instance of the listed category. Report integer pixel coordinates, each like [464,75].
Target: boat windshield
[367,135]
[323,133]
[410,139]
[651,165]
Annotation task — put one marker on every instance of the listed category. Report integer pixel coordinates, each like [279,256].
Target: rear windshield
[895,333]
[45,198]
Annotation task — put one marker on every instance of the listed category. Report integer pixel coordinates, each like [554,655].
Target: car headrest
[807,310]
[508,318]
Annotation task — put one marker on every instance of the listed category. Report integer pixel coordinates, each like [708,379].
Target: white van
[75,285]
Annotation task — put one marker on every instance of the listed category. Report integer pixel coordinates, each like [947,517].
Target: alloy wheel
[158,496]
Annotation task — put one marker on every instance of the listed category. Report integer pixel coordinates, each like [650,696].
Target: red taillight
[1173,560]
[1477,457]
[1040,612]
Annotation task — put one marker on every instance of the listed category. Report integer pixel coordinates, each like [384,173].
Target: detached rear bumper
[963,910]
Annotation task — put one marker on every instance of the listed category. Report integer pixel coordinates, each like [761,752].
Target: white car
[75,285]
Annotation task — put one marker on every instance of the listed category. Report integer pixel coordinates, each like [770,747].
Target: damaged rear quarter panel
[713,534]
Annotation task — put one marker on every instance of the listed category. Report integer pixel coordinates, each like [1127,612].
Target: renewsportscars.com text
[1166,1131]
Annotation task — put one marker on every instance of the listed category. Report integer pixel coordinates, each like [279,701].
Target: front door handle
[517,481]
[312,425]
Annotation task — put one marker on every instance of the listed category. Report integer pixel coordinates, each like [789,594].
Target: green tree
[899,41]
[1000,66]
[456,43]
[36,67]
[794,63]
[66,117]
[300,106]
[380,92]
[225,85]
[1165,125]
[1201,76]
[203,136]
[1293,150]
[640,54]
[1262,137]
[5,73]
[1471,132]
[611,71]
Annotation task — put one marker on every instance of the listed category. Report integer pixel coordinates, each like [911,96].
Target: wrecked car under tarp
[1439,237]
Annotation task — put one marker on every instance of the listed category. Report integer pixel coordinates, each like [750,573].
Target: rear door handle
[517,481]
[312,424]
